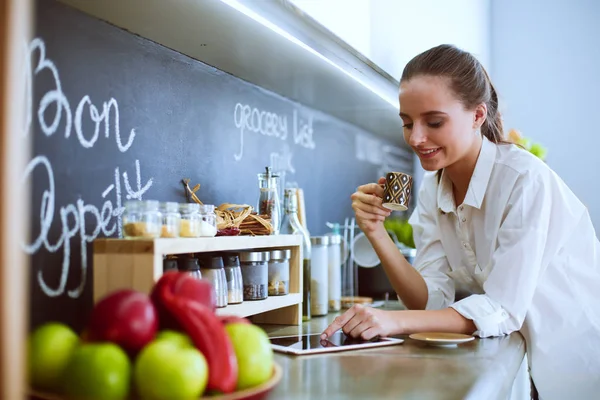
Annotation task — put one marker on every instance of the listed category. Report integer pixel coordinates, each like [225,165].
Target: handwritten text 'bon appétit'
[71,218]
[253,120]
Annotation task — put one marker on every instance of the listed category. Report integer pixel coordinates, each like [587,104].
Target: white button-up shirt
[523,249]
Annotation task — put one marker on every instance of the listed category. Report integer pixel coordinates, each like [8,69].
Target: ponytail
[492,127]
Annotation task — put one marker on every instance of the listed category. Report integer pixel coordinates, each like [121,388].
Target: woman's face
[436,124]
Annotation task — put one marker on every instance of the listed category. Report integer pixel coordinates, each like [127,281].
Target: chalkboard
[117,117]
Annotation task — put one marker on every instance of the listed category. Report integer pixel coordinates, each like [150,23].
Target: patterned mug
[397,191]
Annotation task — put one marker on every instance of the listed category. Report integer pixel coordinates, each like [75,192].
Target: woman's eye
[407,126]
[434,125]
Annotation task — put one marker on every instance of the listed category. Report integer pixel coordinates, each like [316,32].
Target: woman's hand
[368,208]
[365,323]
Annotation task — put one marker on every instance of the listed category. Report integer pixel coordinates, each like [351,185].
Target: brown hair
[468,80]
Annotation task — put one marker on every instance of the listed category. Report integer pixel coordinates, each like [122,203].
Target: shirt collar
[477,185]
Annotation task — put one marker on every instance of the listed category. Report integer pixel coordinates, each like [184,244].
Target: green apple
[253,352]
[170,369]
[177,338]
[98,371]
[50,348]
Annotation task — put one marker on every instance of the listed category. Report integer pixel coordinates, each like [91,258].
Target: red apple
[182,285]
[125,317]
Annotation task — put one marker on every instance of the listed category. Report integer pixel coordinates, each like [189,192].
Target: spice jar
[319,276]
[190,220]
[233,276]
[212,270]
[190,265]
[141,219]
[279,272]
[208,223]
[255,273]
[171,219]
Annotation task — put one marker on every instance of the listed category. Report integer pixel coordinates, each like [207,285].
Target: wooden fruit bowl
[256,393]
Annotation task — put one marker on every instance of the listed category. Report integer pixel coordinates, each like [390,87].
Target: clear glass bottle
[171,219]
[208,223]
[212,270]
[233,276]
[292,226]
[190,220]
[141,219]
[268,200]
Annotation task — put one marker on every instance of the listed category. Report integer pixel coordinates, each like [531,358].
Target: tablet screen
[309,342]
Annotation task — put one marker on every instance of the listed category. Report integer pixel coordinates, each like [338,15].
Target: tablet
[312,344]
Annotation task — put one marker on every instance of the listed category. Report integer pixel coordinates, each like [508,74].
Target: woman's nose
[417,136]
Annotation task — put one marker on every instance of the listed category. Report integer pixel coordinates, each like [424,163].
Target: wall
[545,67]
[391,32]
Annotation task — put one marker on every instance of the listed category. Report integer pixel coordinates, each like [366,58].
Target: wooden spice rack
[138,263]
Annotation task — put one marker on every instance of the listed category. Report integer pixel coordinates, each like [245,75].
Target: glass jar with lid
[279,272]
[233,276]
[171,219]
[255,274]
[212,269]
[141,219]
[190,220]
[208,224]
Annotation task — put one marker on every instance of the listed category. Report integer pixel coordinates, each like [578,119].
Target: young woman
[495,228]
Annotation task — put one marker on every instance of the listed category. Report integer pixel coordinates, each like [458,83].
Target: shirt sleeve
[527,241]
[431,261]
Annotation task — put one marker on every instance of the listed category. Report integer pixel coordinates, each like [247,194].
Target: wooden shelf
[249,308]
[195,245]
[138,263]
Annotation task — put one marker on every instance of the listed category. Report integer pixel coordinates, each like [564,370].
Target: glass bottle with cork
[268,201]
[292,226]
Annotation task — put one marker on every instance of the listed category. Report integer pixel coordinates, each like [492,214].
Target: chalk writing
[270,124]
[57,97]
[78,222]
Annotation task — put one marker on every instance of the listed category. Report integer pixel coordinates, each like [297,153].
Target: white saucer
[395,206]
[442,338]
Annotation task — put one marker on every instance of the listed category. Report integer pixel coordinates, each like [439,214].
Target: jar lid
[207,208]
[189,207]
[170,206]
[141,205]
[319,240]
[335,239]
[285,254]
[254,256]
[211,262]
[231,260]
[190,264]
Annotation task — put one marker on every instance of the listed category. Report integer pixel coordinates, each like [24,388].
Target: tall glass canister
[319,271]
[334,262]
[268,200]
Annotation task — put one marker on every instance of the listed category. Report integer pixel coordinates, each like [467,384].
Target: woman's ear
[480,116]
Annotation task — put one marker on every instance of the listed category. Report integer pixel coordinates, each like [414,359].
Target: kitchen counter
[480,369]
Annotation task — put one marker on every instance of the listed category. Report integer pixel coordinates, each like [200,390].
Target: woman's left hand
[365,323]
